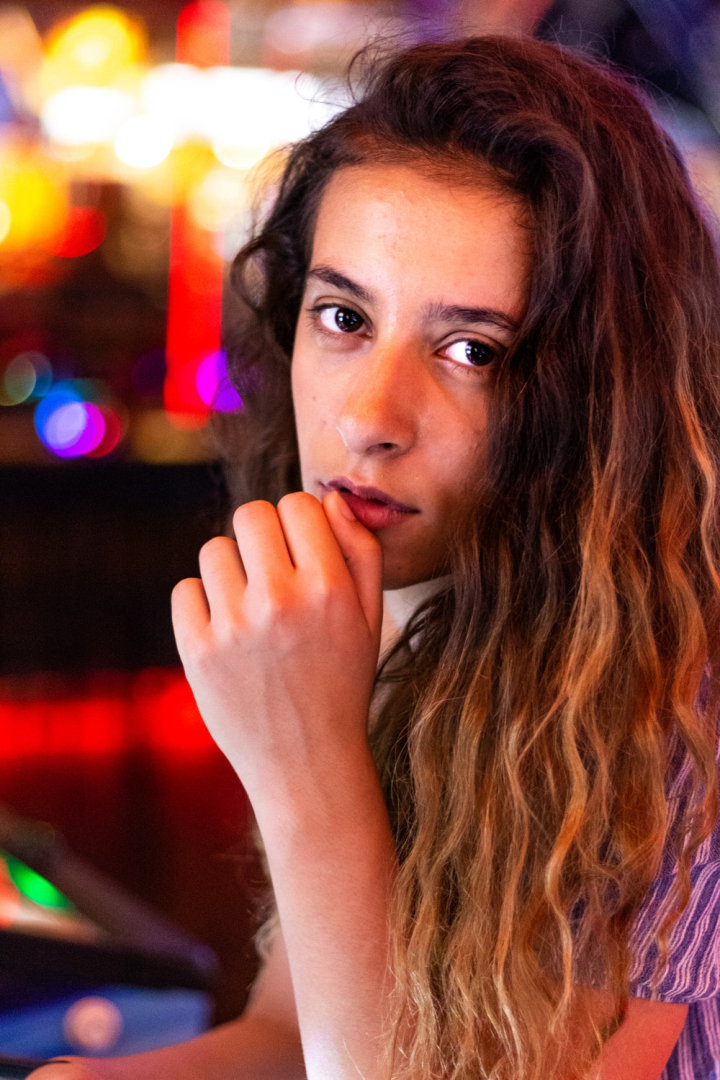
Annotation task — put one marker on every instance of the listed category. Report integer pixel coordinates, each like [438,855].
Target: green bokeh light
[34,886]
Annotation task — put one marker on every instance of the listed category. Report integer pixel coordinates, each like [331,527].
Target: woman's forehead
[385,226]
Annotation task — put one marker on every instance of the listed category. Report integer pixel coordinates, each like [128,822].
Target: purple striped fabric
[692,974]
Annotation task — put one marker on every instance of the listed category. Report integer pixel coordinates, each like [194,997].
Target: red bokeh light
[203,33]
[83,232]
[104,713]
[113,433]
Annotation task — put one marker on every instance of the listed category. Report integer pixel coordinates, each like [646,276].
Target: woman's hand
[280,640]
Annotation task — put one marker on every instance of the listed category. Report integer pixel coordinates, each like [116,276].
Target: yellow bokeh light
[5,220]
[171,182]
[218,198]
[95,47]
[34,200]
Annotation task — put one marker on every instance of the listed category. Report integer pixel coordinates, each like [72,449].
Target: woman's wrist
[338,794]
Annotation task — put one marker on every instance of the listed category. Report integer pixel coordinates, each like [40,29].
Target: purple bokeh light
[214,386]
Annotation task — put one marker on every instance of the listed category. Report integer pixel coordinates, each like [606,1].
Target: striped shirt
[692,974]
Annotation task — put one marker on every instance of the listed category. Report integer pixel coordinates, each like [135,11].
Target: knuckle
[273,612]
[297,500]
[227,633]
[181,589]
[325,589]
[251,511]
[200,654]
[214,547]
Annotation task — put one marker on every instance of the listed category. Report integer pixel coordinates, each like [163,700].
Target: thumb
[363,557]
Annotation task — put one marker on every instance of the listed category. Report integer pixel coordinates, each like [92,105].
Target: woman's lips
[372,507]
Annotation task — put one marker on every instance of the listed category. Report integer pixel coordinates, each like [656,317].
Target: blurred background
[134,141]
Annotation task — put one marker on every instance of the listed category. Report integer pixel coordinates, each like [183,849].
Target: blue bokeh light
[67,423]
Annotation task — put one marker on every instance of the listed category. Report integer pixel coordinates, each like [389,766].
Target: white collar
[399,605]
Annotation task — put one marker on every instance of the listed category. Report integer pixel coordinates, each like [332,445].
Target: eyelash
[316,311]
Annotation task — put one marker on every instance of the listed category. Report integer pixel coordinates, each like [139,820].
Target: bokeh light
[33,885]
[71,426]
[214,386]
[26,376]
[43,371]
[219,198]
[94,47]
[143,141]
[74,428]
[5,220]
[34,195]
[20,52]
[203,33]
[18,382]
[9,897]
[113,431]
[83,231]
[174,94]
[86,115]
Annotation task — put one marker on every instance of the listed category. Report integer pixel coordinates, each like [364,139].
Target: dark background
[89,554]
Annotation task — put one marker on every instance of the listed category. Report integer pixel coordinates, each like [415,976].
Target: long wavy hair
[535,707]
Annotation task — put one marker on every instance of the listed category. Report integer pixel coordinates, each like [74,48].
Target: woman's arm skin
[264,1044]
[640,1048]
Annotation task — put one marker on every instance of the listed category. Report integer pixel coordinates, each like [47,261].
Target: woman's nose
[381,408]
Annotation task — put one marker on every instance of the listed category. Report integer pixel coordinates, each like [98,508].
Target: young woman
[488,298]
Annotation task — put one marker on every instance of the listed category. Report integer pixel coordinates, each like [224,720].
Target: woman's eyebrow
[458,313]
[433,312]
[339,281]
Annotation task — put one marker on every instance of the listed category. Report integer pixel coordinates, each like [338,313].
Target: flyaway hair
[536,708]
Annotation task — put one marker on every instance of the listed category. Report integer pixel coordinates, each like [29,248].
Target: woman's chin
[402,576]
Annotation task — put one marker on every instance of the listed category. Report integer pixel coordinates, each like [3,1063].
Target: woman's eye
[472,352]
[340,318]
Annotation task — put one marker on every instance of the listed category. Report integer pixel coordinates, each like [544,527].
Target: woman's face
[414,290]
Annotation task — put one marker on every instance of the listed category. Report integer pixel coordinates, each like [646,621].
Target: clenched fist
[280,640]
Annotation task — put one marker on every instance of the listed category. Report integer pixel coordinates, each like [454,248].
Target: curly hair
[535,706]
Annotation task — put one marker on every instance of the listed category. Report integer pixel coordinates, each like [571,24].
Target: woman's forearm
[332,860]
[251,1048]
